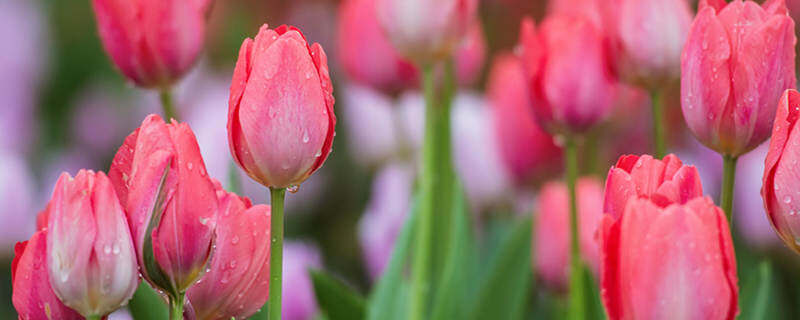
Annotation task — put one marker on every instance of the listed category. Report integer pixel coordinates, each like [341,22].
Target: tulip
[673,262]
[237,280]
[299,302]
[90,255]
[551,240]
[737,60]
[153,43]
[664,182]
[470,55]
[569,72]
[752,220]
[373,132]
[171,203]
[17,201]
[280,116]
[426,31]
[779,189]
[527,151]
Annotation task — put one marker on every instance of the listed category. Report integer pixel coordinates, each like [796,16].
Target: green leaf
[504,290]
[758,297]
[594,304]
[146,304]
[336,299]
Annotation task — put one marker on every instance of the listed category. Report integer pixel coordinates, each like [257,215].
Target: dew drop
[787,199]
[189,166]
[305,136]
[203,220]
[107,249]
[318,154]
[233,264]
[235,240]
[293,189]
[115,249]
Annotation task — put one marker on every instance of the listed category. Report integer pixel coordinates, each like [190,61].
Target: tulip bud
[674,262]
[737,61]
[280,115]
[569,72]
[32,295]
[236,283]
[528,151]
[426,30]
[153,43]
[171,203]
[551,241]
[90,254]
[664,182]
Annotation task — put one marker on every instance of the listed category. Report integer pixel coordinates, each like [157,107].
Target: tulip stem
[658,123]
[94,318]
[168,105]
[276,252]
[176,307]
[728,180]
[577,304]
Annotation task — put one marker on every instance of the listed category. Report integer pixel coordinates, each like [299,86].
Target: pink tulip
[527,151]
[780,185]
[425,30]
[298,293]
[470,55]
[737,61]
[674,262]
[664,182]
[237,281]
[551,240]
[90,255]
[158,173]
[366,54]
[153,43]
[280,115]
[32,296]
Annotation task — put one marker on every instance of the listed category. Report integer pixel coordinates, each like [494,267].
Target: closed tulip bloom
[674,262]
[90,255]
[527,151]
[280,115]
[551,241]
[237,281]
[737,61]
[470,55]
[569,73]
[780,185]
[153,43]
[158,173]
[32,296]
[664,182]
[426,30]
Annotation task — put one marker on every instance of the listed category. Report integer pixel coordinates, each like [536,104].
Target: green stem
[234,183]
[93,317]
[168,105]
[577,304]
[176,307]
[276,252]
[658,124]
[728,180]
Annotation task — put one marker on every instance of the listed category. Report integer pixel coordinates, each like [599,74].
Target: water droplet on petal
[293,189]
[115,248]
[235,240]
[787,199]
[107,249]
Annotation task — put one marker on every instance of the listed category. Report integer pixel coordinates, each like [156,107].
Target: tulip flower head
[280,114]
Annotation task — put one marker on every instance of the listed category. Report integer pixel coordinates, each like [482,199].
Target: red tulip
[674,262]
[551,240]
[237,281]
[153,43]
[738,59]
[32,295]
[90,255]
[158,173]
[280,115]
[527,151]
[780,188]
[664,182]
[570,76]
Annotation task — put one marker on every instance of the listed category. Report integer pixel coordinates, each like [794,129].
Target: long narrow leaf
[336,300]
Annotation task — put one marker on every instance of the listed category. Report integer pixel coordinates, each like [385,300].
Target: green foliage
[336,300]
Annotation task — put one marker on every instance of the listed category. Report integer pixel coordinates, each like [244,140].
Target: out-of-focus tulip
[32,295]
[528,152]
[153,43]
[737,61]
[280,116]
[569,72]
[298,294]
[90,255]
[424,30]
[237,281]
[372,131]
[17,199]
[366,54]
[664,182]
[674,262]
[384,215]
[780,188]
[750,218]
[470,55]
[551,241]
[158,173]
